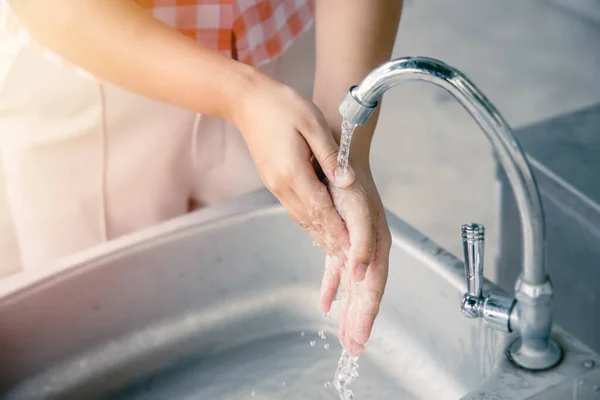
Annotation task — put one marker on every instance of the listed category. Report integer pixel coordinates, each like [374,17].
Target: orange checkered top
[253,31]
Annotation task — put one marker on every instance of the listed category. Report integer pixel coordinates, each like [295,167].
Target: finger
[321,212]
[363,318]
[325,149]
[354,208]
[353,347]
[343,312]
[297,211]
[344,176]
[370,293]
[330,283]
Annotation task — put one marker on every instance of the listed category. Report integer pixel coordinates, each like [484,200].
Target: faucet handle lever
[473,236]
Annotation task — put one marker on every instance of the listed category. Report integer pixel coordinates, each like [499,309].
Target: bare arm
[351,40]
[123,44]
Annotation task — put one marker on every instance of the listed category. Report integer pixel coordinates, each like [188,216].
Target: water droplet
[302,333]
[322,335]
[581,382]
[326,346]
[597,388]
[253,393]
[283,383]
[346,373]
[481,393]
[327,385]
[316,244]
[312,343]
[589,363]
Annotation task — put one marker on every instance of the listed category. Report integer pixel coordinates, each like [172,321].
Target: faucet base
[535,360]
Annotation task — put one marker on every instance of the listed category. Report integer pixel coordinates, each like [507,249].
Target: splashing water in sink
[347,371]
[347,132]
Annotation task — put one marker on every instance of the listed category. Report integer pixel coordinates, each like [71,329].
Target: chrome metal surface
[535,362]
[534,313]
[203,307]
[473,236]
[357,112]
[496,311]
[535,351]
[470,305]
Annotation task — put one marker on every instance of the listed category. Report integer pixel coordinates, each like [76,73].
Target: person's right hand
[283,131]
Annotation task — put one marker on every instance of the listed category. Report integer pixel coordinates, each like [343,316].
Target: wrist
[238,86]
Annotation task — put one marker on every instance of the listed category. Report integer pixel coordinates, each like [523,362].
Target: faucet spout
[533,317]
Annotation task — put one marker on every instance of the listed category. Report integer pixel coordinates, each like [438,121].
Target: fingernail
[360,272]
[343,177]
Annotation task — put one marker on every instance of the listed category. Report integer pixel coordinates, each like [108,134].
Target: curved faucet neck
[365,96]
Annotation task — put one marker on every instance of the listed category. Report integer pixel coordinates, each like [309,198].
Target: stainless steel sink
[222,304]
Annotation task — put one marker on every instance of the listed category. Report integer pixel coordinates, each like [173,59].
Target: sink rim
[261,201]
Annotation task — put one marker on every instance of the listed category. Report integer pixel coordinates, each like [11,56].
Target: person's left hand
[362,287]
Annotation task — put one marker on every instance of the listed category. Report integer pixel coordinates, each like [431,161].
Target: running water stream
[347,132]
[347,371]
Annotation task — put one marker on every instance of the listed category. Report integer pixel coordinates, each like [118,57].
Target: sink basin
[222,304]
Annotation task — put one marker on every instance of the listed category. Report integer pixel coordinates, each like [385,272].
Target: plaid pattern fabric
[251,31]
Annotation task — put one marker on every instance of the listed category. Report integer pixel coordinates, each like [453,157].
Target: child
[119,114]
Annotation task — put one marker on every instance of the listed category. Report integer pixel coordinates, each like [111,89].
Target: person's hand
[283,131]
[362,286]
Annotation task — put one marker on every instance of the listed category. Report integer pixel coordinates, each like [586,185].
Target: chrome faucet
[530,312]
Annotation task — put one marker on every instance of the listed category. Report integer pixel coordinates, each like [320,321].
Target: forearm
[350,42]
[121,43]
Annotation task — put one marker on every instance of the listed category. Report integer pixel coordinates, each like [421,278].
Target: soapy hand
[284,132]
[361,286]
